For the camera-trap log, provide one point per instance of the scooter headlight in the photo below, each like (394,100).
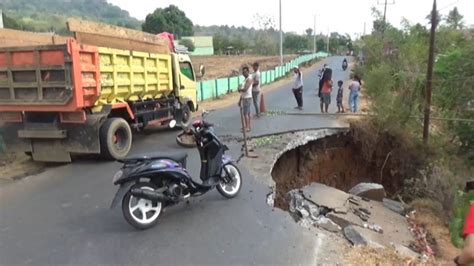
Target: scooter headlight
(117,176)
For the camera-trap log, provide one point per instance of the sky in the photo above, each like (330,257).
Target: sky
(343,16)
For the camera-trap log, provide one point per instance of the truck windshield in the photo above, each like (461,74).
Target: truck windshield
(187,70)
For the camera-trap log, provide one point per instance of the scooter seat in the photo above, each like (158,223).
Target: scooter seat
(177,157)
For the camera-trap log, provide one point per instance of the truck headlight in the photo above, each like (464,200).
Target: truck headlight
(117,176)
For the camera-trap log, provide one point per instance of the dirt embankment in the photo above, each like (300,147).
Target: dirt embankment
(218,66)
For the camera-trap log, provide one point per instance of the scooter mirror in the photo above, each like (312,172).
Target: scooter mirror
(172,123)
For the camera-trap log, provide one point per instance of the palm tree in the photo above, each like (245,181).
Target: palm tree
(454,19)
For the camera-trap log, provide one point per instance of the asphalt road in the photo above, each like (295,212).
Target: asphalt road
(62,216)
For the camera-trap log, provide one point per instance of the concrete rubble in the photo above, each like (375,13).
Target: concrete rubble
(360,221)
(395,206)
(370,191)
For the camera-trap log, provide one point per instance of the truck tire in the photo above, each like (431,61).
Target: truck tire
(115,139)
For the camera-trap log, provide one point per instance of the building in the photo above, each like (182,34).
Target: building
(1,19)
(203,45)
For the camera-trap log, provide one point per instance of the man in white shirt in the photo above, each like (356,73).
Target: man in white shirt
(256,87)
(246,98)
(298,88)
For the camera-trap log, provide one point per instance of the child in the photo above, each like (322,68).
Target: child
(340,107)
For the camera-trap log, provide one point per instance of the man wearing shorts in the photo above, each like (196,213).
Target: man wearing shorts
(246,98)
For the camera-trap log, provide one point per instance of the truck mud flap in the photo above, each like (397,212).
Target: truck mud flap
(75,139)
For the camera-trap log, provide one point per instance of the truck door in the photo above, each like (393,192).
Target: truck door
(187,81)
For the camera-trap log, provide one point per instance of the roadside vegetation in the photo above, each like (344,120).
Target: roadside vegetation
(394,70)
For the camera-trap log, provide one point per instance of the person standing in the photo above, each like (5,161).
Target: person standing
(320,76)
(298,88)
(467,254)
(340,96)
(256,88)
(246,98)
(354,88)
(326,89)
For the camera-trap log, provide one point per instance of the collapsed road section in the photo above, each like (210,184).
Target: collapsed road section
(338,181)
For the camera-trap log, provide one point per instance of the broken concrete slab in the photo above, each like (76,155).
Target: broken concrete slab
(325,196)
(303,212)
(371,191)
(328,225)
(344,220)
(395,206)
(353,235)
(295,200)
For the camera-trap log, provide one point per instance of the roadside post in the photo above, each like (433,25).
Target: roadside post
(246,149)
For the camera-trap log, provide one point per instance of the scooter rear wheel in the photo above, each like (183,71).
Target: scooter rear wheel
(141,213)
(231,181)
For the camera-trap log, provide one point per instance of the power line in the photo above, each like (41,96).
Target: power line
(281,39)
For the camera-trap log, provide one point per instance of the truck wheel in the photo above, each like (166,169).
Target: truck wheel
(186,116)
(115,139)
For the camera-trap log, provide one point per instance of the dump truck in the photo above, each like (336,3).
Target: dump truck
(61,96)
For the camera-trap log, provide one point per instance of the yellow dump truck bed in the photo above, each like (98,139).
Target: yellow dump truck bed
(130,75)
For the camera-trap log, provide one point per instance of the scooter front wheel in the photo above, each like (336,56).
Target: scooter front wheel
(141,213)
(185,140)
(231,181)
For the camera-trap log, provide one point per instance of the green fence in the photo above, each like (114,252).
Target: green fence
(211,89)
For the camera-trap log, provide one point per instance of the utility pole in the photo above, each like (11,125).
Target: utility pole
(1,19)
(429,77)
(281,40)
(327,42)
(314,33)
(385,14)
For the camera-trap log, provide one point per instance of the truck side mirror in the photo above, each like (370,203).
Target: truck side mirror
(202,70)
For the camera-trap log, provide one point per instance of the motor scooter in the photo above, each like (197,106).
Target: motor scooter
(152,181)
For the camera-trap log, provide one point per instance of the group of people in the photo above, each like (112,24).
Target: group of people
(325,90)
(250,92)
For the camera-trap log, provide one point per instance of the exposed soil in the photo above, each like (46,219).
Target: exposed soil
(427,215)
(342,161)
(219,66)
(18,165)
(370,256)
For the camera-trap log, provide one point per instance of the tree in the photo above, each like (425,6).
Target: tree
(239,44)
(454,19)
(309,32)
(378,25)
(295,43)
(220,42)
(10,23)
(266,40)
(170,19)
(188,43)
(321,43)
